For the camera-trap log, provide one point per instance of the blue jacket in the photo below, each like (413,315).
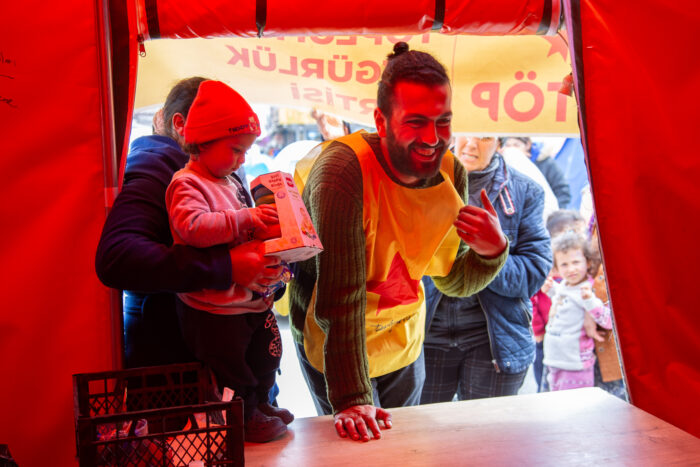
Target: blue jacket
(519,202)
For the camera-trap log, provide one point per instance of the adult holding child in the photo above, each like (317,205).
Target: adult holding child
(385,205)
(136,251)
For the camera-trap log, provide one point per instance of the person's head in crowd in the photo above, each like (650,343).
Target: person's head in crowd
(414,114)
(573,258)
(565,220)
(519,142)
(476,153)
(278,140)
(219,130)
(170,120)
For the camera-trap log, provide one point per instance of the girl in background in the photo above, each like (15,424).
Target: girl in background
(568,350)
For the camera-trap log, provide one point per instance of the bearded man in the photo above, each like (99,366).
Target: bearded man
(389,209)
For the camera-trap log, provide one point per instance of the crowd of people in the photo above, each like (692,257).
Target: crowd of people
(444,275)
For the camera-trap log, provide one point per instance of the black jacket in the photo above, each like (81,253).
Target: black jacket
(556,179)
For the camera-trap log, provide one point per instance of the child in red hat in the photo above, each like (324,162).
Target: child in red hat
(233,331)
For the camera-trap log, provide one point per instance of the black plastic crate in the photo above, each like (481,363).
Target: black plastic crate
(113,408)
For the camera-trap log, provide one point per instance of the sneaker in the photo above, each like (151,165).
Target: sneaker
(271,411)
(260,428)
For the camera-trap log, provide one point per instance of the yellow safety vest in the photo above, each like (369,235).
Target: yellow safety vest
(408,234)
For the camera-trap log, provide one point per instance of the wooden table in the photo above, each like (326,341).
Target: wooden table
(577,427)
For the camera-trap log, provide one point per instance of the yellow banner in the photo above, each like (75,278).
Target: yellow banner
(501,85)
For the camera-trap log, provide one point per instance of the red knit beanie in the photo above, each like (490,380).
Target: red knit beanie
(218,111)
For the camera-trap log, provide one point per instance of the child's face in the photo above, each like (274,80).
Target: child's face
(571,265)
(226,155)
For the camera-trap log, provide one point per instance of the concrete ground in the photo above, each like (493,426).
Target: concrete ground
(294,394)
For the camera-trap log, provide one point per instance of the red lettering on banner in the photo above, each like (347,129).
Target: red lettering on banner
(350,40)
(340,68)
(560,113)
(332,72)
(487,96)
(322,39)
(374,37)
(519,88)
(313,95)
(292,67)
(364,76)
(367,106)
(241,56)
(395,39)
(312,66)
(295,91)
(491,101)
(346,100)
(271,61)
(316,96)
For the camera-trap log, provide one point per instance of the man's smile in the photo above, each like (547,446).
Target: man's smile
(426,152)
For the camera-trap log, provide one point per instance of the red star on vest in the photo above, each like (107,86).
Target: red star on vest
(397,289)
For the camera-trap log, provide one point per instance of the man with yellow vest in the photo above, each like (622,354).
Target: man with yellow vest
(389,209)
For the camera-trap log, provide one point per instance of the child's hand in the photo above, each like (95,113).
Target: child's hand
(591,328)
(266,222)
(586,291)
(548,284)
(267,232)
(264,215)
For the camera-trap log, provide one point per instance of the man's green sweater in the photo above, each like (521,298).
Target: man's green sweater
(333,195)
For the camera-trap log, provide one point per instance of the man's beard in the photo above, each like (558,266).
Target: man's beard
(401,159)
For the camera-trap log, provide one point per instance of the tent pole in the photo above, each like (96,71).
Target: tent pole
(109,159)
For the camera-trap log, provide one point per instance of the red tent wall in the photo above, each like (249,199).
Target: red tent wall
(248,18)
(637,80)
(638,86)
(54,319)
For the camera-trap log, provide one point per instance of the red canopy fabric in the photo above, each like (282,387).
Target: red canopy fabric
(636,82)
(185,18)
(55,314)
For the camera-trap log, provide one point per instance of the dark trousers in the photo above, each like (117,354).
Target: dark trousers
(243,351)
(151,331)
(400,388)
(470,374)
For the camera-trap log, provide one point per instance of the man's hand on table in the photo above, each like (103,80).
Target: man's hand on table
(354,421)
